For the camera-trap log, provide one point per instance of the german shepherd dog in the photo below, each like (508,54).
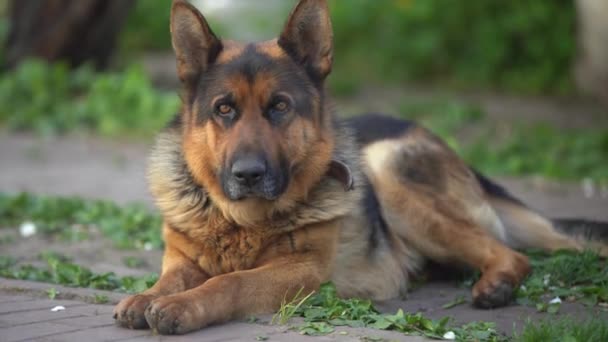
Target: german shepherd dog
(266,194)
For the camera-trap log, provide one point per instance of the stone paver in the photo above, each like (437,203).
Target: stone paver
(108,333)
(100,320)
(29,305)
(12,298)
(34,330)
(27,316)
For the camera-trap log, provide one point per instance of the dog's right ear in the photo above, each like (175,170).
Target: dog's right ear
(195,45)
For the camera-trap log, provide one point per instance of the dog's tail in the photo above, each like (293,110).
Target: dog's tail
(526,228)
(592,234)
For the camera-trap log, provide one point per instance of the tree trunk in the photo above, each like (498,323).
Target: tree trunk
(592,64)
(74,31)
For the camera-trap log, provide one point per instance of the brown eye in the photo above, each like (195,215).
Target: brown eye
(281,106)
(225,109)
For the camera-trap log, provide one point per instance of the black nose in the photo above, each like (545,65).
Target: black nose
(249,171)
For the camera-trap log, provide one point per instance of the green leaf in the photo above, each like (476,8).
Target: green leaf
(316,328)
(52,293)
(553,308)
(457,301)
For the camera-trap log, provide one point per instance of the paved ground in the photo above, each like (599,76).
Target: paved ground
(25,315)
(115,170)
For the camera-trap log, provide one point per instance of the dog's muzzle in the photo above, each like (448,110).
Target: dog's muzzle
(251,176)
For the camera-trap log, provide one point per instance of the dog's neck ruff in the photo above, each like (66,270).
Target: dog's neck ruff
(186,205)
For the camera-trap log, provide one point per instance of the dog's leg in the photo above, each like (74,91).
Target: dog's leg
(179,274)
(432,201)
(280,276)
(453,240)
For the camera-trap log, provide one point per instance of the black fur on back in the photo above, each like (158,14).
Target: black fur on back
(373,127)
(494,189)
(368,129)
(379,231)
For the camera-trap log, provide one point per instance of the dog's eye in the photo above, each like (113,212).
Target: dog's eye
(281,107)
(225,110)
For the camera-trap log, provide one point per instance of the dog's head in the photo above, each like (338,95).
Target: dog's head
(256,131)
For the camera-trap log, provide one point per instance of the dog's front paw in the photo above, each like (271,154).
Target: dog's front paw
(174,315)
(130,311)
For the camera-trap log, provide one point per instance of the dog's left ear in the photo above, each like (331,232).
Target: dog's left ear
(308,37)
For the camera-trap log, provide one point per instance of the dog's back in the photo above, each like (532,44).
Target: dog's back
(421,202)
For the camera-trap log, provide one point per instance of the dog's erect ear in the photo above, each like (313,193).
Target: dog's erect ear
(195,45)
(308,37)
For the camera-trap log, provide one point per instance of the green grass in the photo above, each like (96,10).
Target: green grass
(60,270)
(324,311)
(445,118)
(74,219)
(289,309)
(134,262)
(103,299)
(52,292)
(543,150)
(51,99)
(564,330)
(569,275)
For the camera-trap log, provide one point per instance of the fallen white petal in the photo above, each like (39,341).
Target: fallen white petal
(27,229)
(555,300)
(449,335)
(58,308)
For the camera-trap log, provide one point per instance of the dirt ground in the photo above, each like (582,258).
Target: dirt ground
(95,168)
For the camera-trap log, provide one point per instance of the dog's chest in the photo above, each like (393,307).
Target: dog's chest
(226,248)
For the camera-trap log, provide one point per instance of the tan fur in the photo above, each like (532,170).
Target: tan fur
(272,49)
(427,214)
(528,229)
(230,51)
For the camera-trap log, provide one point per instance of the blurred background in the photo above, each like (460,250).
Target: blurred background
(519,88)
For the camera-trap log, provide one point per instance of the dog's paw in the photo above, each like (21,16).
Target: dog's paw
(130,312)
(173,315)
(488,294)
(496,287)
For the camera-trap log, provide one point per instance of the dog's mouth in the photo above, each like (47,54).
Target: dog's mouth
(239,195)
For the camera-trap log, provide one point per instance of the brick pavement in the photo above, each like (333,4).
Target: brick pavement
(25,315)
